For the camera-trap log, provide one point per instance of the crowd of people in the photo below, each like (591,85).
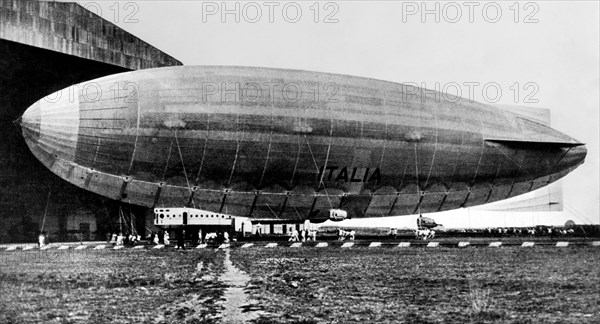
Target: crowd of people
(346,235)
(302,235)
(424,234)
(532,231)
(214,237)
(127,239)
(164,237)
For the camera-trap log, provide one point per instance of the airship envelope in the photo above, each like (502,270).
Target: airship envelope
(289,145)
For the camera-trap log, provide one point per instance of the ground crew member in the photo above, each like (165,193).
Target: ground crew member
(226,237)
(180,240)
(41,240)
(120,239)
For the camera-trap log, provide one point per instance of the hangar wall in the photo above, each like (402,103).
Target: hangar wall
(45,47)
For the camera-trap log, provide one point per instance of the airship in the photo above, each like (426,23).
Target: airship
(289,145)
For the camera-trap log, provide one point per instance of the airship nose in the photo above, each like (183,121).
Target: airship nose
(574,157)
(30,124)
(51,126)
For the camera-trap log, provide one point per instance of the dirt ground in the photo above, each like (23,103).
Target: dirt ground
(514,285)
(304,285)
(123,286)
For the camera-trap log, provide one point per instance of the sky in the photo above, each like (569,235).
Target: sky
(535,54)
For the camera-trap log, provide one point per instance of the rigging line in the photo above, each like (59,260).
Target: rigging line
(314,160)
(417,170)
(579,214)
(272,211)
(297,213)
(513,161)
(384,144)
(137,135)
(266,163)
(480,154)
(579,217)
(131,218)
(327,160)
(268,152)
(148,229)
(561,158)
(125,221)
(182,163)
(458,156)
(387,117)
(434,151)
(297,160)
(120,221)
(203,151)
(237,148)
(205,145)
(168,159)
(112,226)
(121,218)
(317,167)
(96,153)
(46,210)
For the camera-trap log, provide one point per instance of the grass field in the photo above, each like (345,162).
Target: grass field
(541,285)
(109,287)
(305,285)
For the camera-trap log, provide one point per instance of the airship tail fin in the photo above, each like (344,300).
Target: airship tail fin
(549,198)
(525,143)
(538,115)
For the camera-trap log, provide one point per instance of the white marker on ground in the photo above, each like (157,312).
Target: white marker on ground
(348,244)
(404,244)
(433,244)
(375,244)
